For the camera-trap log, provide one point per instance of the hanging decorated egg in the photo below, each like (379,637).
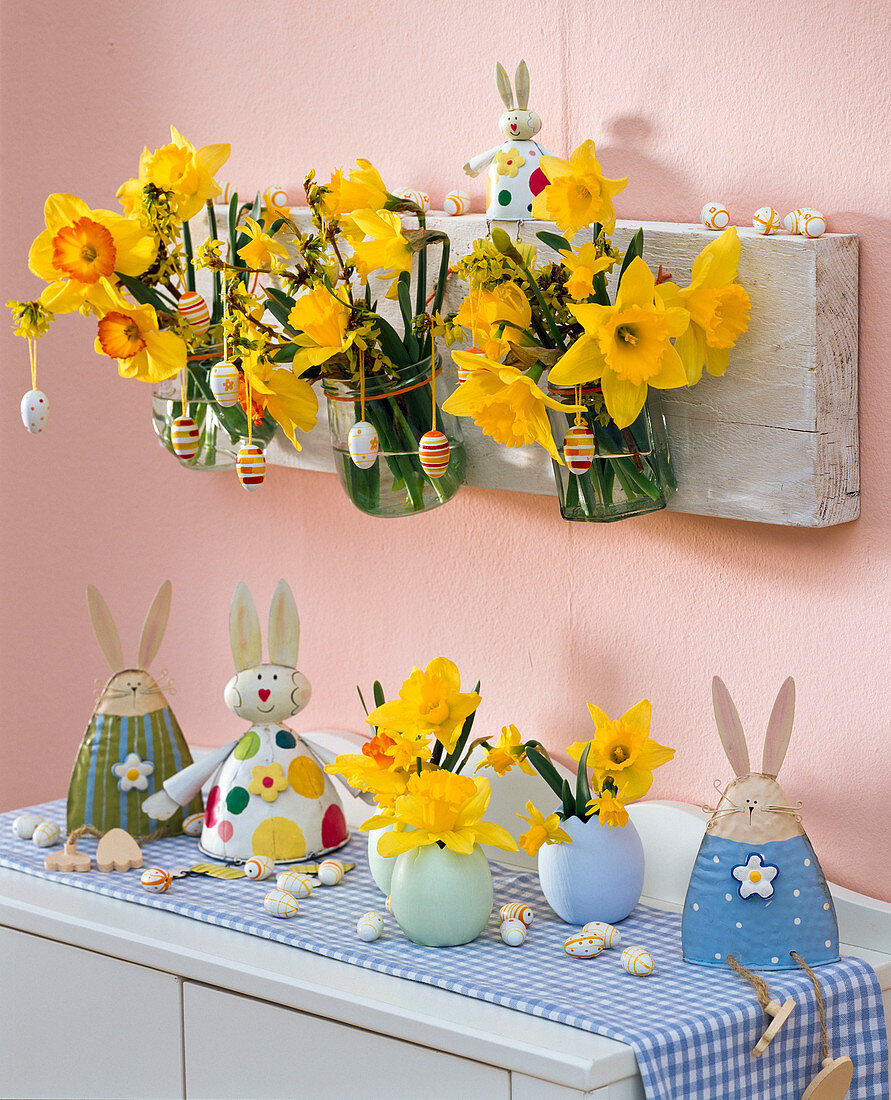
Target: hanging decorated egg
(184,437)
(35,410)
(156,880)
(637,961)
(812,223)
(250,465)
(193,824)
(456,202)
(297,883)
(24,825)
(279,903)
(607,932)
(258,867)
(419,198)
(369,926)
(193,308)
(363,444)
(330,872)
(278,196)
(46,834)
(766,220)
(434,452)
(792,220)
(224,382)
(513,933)
(583,945)
(516,910)
(579,448)
(715,215)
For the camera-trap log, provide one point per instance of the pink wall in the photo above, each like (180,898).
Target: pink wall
(694,101)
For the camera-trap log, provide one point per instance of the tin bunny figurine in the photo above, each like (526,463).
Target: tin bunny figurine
(515,177)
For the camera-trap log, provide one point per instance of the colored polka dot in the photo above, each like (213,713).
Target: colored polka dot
(306,777)
(538,181)
(225,830)
(798,920)
(807,863)
(775,959)
(285,739)
(267,781)
(529,207)
(531,153)
(826,905)
(334,827)
(696,906)
(212,809)
(236,800)
(829,943)
(248,746)
(796,893)
(739,924)
(716,859)
(717,954)
(278,838)
(504,198)
(728,897)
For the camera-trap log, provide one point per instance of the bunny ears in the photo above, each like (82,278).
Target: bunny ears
(779,729)
(244,628)
(521,80)
(152,629)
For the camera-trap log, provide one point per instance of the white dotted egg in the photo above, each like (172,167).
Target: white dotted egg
(812,223)
(24,825)
(35,410)
(369,926)
(46,834)
(715,215)
(516,910)
(258,867)
(193,824)
(638,961)
(224,383)
(583,945)
(156,880)
(411,194)
(363,444)
(456,202)
(330,872)
(513,932)
(279,903)
(297,883)
(766,220)
(609,934)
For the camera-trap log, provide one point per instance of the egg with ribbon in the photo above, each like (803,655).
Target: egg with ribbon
(434,453)
(579,448)
(184,437)
(363,444)
(225,379)
(250,465)
(35,410)
(193,309)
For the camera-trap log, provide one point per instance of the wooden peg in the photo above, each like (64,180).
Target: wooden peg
(781,1014)
(832,1082)
(68,860)
(118,851)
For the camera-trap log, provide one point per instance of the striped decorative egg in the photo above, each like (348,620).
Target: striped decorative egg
(637,961)
(156,880)
(411,194)
(516,910)
(579,448)
(193,824)
(766,220)
(715,215)
(812,223)
(279,903)
(363,444)
(193,308)
(465,372)
(330,872)
(297,883)
(46,834)
(24,825)
(513,932)
(369,926)
(607,932)
(184,437)
(456,202)
(434,452)
(792,220)
(389,905)
(258,867)
(583,945)
(250,465)
(224,381)
(227,190)
(278,196)
(35,410)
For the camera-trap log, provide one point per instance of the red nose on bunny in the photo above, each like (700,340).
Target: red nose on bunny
(264,694)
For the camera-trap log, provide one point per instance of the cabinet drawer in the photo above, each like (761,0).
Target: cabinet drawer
(238,1047)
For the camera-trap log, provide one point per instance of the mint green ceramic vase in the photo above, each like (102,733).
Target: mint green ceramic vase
(439,897)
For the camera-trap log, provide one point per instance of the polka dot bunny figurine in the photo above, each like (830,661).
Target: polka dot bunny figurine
(515,177)
(269,795)
(757,890)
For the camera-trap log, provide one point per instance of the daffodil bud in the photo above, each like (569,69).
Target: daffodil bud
(501,240)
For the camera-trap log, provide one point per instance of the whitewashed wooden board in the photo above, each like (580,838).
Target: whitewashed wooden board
(774,441)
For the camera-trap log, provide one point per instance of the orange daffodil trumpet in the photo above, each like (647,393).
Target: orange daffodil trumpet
(131,335)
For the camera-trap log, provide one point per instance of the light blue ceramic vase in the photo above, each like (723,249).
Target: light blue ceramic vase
(597,877)
(441,898)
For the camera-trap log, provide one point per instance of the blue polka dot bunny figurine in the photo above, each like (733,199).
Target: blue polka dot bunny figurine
(515,175)
(757,890)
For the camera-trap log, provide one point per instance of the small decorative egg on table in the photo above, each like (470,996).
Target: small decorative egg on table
(607,932)
(46,834)
(24,825)
(193,824)
(584,945)
(258,867)
(637,961)
(715,215)
(513,932)
(813,223)
(456,202)
(156,880)
(369,926)
(516,910)
(279,903)
(330,872)
(766,220)
(297,883)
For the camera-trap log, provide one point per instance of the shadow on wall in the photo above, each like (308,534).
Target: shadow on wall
(621,152)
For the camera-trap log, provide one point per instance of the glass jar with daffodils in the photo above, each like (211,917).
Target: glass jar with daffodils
(609,333)
(424,843)
(590,857)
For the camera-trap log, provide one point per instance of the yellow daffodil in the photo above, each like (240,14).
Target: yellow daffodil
(609,809)
(30,319)
(578,193)
(623,751)
(408,748)
(130,335)
(322,323)
(430,703)
(291,401)
(81,247)
(542,830)
(180,169)
(262,252)
(627,346)
(372,770)
(583,266)
(385,249)
(495,318)
(441,807)
(271,212)
(360,189)
(506,752)
(718,306)
(507,405)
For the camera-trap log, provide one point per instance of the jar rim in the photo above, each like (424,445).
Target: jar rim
(377,386)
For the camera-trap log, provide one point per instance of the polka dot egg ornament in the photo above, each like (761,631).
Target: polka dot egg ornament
(193,824)
(812,223)
(583,945)
(434,452)
(715,215)
(766,220)
(295,882)
(363,444)
(258,867)
(193,309)
(330,872)
(225,379)
(184,437)
(513,933)
(156,880)
(607,932)
(638,961)
(24,825)
(35,410)
(250,465)
(46,834)
(579,448)
(456,202)
(369,926)
(411,194)
(516,910)
(279,903)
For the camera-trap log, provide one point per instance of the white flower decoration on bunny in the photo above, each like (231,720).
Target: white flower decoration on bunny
(269,795)
(757,891)
(515,175)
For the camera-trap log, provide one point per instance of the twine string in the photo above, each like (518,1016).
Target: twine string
(762,990)
(91,830)
(820,1007)
(184,391)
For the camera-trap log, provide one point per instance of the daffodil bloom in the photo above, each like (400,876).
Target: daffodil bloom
(718,307)
(262,252)
(507,405)
(623,751)
(408,748)
(430,703)
(130,335)
(361,189)
(583,266)
(180,169)
(385,248)
(578,193)
(506,752)
(291,401)
(81,247)
(609,809)
(495,318)
(542,830)
(322,324)
(627,346)
(441,807)
(372,770)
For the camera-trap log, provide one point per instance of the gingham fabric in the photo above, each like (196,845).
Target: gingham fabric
(692,1028)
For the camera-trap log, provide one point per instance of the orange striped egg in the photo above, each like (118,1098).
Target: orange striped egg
(513,932)
(279,903)
(434,452)
(715,215)
(369,926)
(330,872)
(193,308)
(579,448)
(156,880)
(35,410)
(258,867)
(278,196)
(607,932)
(224,381)
(583,945)
(297,883)
(250,465)
(456,202)
(812,223)
(193,824)
(420,198)
(227,190)
(766,220)
(184,437)
(516,910)
(46,834)
(389,905)
(363,444)
(637,961)
(792,220)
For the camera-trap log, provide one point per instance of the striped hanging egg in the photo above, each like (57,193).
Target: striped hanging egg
(279,903)
(278,196)
(258,867)
(583,945)
(35,410)
(465,372)
(250,465)
(516,910)
(156,880)
(579,448)
(184,437)
(369,926)
(766,220)
(456,202)
(224,382)
(513,933)
(363,444)
(637,961)
(792,220)
(193,824)
(297,883)
(434,452)
(46,834)
(411,194)
(715,215)
(193,308)
(610,935)
(812,223)
(330,872)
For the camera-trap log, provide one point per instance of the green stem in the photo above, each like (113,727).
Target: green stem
(421,289)
(546,313)
(190,262)
(217,311)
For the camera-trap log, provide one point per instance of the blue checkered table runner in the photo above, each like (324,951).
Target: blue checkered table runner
(692,1028)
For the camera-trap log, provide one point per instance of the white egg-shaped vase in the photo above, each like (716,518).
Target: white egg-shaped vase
(381,867)
(597,877)
(441,898)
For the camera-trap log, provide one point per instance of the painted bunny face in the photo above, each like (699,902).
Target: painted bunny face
(753,809)
(267,693)
(518,124)
(131,694)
